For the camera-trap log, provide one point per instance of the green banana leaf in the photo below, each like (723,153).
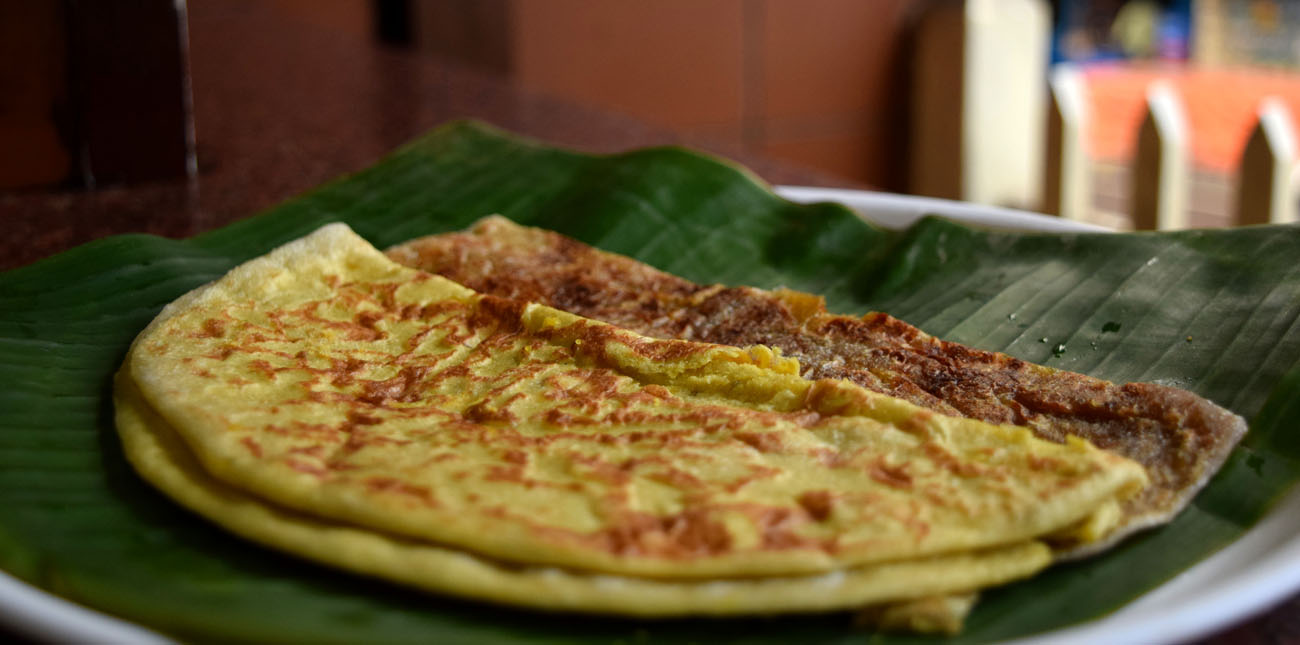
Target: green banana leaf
(1215,312)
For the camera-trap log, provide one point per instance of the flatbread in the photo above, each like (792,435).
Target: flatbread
(1181,439)
(326,380)
(160,456)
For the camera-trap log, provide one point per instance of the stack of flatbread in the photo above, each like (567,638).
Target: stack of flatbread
(495,442)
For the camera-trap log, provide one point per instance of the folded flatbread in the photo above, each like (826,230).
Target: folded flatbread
(1179,437)
(166,462)
(327,401)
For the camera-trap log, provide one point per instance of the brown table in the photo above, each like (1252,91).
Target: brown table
(281,106)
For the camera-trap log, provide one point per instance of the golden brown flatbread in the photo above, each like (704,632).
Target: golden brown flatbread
(324,391)
(1179,437)
(166,462)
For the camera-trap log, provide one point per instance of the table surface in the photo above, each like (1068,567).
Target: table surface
(281,106)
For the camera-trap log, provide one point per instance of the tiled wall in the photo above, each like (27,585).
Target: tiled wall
(353,17)
(678,63)
(818,82)
(833,86)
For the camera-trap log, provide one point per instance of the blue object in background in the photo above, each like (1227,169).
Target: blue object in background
(1108,30)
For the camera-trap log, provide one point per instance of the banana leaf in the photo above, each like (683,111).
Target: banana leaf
(1215,312)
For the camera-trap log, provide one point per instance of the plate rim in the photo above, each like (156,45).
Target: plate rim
(895,211)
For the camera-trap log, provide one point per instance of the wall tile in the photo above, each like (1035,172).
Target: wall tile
(670,62)
(833,82)
(849,156)
(352,17)
(830,56)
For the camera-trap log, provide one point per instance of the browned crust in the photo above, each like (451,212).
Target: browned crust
(1179,437)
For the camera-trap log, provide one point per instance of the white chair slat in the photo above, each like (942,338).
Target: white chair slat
(1066,183)
(1160,173)
(1265,192)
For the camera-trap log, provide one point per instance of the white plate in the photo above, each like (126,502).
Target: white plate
(1253,573)
(900,211)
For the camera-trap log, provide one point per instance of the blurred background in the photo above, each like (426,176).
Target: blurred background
(1022,103)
